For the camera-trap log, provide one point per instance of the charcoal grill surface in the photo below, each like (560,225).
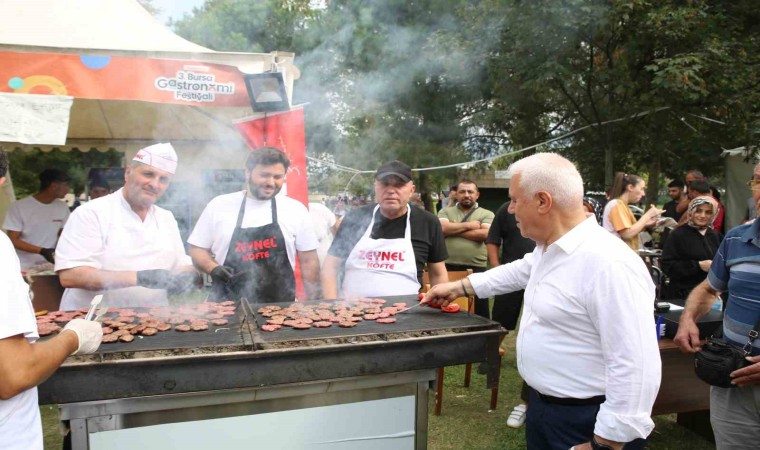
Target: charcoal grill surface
(419,321)
(230,335)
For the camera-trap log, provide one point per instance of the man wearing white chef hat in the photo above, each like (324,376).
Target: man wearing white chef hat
(123,245)
(25,362)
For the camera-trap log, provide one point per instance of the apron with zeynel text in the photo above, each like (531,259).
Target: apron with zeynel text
(381,267)
(259,257)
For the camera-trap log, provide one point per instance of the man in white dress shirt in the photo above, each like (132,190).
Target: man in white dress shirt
(586,343)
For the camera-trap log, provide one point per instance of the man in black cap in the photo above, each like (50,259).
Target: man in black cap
(383,248)
(34,223)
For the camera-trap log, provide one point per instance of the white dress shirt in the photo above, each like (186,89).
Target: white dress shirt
(587,325)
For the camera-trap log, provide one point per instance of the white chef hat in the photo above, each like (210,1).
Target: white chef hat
(161,156)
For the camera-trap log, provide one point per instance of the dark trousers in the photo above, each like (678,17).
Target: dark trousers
(506,309)
(481,304)
(549,426)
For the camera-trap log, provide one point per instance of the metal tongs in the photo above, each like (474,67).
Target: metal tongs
(411,307)
(94,304)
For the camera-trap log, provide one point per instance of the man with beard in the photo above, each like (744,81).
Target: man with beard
(248,241)
(465,226)
(676,193)
(383,248)
(123,245)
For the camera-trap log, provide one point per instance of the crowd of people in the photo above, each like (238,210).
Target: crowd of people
(586,346)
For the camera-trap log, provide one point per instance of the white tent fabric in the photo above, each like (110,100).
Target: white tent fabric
(121,27)
(88,24)
(124,28)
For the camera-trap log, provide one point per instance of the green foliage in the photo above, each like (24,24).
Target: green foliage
(580,63)
(150,7)
(436,82)
(243,26)
(26,166)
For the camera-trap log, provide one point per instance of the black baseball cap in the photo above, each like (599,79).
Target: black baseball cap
(394,168)
(99,182)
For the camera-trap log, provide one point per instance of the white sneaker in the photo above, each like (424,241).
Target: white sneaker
(516,418)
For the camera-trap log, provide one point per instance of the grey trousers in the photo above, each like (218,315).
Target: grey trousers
(735,417)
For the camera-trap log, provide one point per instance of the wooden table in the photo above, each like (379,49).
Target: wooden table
(681,392)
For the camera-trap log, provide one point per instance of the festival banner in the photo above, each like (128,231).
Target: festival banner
(123,78)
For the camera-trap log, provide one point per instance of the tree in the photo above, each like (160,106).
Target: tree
(656,86)
(150,7)
(559,66)
(384,81)
(229,25)
(25,167)
(399,81)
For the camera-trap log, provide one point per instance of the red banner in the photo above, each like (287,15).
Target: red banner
(284,131)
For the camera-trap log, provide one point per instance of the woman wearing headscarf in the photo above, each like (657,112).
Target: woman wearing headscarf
(690,248)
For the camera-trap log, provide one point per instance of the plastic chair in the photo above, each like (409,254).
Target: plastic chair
(467,304)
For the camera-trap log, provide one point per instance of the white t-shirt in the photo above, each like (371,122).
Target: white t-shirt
(217,222)
(323,220)
(20,426)
(39,224)
(106,234)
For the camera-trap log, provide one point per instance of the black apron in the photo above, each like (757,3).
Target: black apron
(259,256)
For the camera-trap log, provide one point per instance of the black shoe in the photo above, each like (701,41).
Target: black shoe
(483,368)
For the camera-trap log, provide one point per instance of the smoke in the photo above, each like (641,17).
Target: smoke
(373,72)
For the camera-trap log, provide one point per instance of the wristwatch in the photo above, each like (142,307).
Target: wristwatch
(597,446)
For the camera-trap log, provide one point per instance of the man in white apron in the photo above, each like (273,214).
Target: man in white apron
(383,248)
(123,245)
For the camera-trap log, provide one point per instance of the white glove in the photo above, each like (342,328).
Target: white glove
(89,334)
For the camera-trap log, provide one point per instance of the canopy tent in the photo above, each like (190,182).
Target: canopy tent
(133,80)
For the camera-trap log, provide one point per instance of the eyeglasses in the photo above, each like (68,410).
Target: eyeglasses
(754,184)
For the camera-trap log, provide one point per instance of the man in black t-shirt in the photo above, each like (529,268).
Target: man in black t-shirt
(514,246)
(382,249)
(676,193)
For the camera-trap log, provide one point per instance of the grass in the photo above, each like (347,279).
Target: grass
(466,423)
